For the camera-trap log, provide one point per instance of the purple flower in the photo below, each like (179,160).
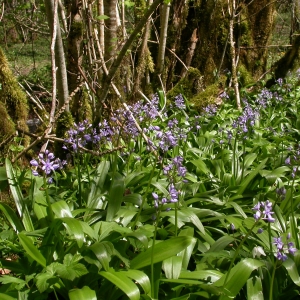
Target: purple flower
(283,248)
(179,102)
(47,163)
(263,210)
(260,230)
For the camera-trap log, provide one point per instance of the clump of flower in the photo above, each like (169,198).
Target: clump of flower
(46,163)
(284,248)
(179,102)
(167,138)
(247,120)
(211,109)
(175,168)
(263,210)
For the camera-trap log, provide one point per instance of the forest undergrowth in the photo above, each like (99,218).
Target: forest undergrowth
(161,202)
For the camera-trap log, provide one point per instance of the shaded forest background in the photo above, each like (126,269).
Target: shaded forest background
(65,61)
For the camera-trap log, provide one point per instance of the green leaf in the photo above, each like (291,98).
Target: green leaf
(82,294)
(207,275)
(193,219)
(200,165)
(120,280)
(161,251)
(238,277)
(6,297)
(103,252)
(18,197)
(140,277)
(18,283)
(11,217)
(115,197)
(254,289)
(292,270)
(61,209)
(187,253)
(221,243)
(31,250)
(172,267)
(74,228)
(96,186)
(102,17)
(162,99)
(71,268)
(250,177)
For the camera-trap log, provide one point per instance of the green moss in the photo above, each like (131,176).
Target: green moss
(14,108)
(76,30)
(7,126)
(63,124)
(189,85)
(209,95)
(245,76)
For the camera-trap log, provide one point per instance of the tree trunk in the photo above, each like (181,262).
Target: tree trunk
(110,10)
(75,39)
(62,82)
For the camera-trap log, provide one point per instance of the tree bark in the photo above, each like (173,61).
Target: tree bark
(62,81)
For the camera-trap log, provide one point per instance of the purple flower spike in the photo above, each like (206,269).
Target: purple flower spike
(263,210)
(283,248)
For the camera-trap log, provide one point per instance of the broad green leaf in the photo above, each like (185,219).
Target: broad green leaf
(82,294)
(162,99)
(71,268)
(61,209)
(249,159)
(210,275)
(18,197)
(186,253)
(6,297)
(172,267)
(201,166)
(11,217)
(273,175)
(18,283)
(103,251)
(221,243)
(292,270)
(31,249)
(193,219)
(74,228)
(134,199)
(45,280)
(115,197)
(251,176)
(238,277)
(123,283)
(254,289)
(140,277)
(97,184)
(161,251)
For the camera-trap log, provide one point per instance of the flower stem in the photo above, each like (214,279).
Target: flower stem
(50,212)
(272,281)
(237,252)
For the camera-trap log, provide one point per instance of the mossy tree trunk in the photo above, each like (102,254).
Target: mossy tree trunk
(13,102)
(260,21)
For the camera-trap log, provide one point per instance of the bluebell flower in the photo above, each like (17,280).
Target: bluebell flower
(179,102)
(283,248)
(263,210)
(47,164)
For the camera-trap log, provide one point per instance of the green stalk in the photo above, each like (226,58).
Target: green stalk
(294,227)
(234,162)
(145,195)
(152,254)
(243,160)
(237,252)
(50,212)
(272,281)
